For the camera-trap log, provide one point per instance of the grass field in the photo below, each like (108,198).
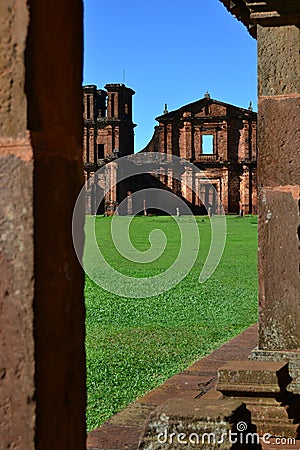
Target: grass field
(133,345)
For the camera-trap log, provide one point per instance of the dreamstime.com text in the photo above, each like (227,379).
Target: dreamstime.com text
(239,437)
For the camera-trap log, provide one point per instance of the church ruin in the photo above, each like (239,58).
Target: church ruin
(218,138)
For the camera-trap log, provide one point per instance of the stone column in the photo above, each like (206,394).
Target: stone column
(186,184)
(113,181)
(245,190)
(129,203)
(162,175)
(169,139)
(42,365)
(279,180)
(187,137)
(197,142)
(188,140)
(170,179)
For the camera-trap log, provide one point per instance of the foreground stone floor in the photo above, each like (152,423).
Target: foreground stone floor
(124,430)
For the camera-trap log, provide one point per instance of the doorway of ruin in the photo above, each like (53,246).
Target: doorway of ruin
(42,314)
(206,190)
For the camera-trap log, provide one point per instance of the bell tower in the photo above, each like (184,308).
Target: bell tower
(119,117)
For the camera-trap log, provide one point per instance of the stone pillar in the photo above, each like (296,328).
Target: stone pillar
(275,408)
(42,365)
(107,185)
(162,175)
(113,181)
(279,188)
(169,139)
(245,190)
(170,179)
(162,137)
(116,139)
(224,189)
(197,142)
(187,138)
(187,184)
(254,189)
(129,203)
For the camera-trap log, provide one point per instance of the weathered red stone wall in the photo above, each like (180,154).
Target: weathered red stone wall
(279,187)
(42,365)
(17,405)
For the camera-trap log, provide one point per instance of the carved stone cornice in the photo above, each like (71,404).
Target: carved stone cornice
(264,12)
(274,12)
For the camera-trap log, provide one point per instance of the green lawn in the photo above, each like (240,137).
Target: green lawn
(133,345)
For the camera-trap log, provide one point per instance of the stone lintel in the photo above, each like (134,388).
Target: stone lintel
(274,12)
(272,19)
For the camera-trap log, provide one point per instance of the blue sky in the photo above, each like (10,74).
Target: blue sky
(172,52)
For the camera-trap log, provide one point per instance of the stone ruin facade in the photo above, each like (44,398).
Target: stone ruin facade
(218,138)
